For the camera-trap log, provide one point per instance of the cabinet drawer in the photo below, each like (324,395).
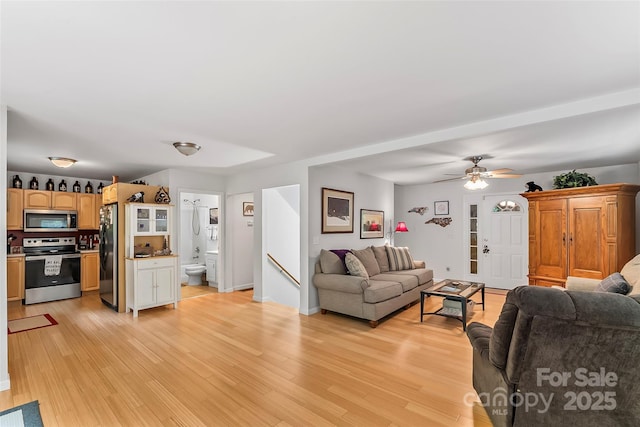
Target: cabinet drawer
(155,262)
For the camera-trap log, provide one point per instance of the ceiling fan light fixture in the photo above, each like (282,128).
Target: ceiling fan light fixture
(476,183)
(62,162)
(187,148)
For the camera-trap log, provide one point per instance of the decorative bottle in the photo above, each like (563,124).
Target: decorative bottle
(62,186)
(100,187)
(88,188)
(17,182)
(33,185)
(49,185)
(76,187)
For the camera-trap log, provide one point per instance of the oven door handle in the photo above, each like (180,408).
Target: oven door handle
(64,256)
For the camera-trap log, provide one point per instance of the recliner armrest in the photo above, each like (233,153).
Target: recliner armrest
(479,335)
(581,283)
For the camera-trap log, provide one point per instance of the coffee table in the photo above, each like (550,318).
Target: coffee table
(452,290)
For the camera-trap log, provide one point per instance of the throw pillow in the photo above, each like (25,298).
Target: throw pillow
(399,258)
(368,259)
(614,283)
(381,256)
(355,266)
(341,254)
(331,263)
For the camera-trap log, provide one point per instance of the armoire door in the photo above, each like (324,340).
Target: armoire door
(587,237)
(551,238)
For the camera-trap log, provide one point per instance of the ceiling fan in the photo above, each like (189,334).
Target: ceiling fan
(476,174)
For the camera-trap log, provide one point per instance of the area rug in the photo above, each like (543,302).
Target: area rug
(27,415)
(28,323)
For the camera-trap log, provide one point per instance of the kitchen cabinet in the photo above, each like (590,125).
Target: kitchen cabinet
(15,278)
(88,211)
(14,208)
(90,271)
(583,232)
(149,219)
(41,199)
(151,282)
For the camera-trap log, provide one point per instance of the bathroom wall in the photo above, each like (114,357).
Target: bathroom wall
(207,234)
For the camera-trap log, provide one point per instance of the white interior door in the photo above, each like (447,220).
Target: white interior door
(503,249)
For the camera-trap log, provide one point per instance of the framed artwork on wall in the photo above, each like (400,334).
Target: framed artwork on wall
(371,224)
(213,215)
(441,207)
(337,211)
(247,208)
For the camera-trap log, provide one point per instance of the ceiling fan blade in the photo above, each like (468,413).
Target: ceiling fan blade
(506,175)
(504,170)
(451,179)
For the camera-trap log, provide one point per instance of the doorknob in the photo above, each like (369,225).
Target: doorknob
(485,249)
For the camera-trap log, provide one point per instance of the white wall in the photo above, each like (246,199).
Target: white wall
(241,242)
(281,239)
(442,247)
(4,350)
(255,181)
(369,193)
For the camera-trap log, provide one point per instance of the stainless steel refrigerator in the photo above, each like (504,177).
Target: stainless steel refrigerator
(109,255)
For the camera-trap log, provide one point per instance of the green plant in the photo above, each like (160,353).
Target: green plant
(573,179)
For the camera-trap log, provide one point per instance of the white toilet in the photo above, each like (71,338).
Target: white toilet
(194,274)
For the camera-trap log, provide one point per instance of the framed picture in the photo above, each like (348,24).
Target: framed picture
(247,208)
(441,208)
(213,215)
(337,211)
(371,224)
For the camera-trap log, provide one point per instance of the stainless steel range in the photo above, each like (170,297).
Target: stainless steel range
(52,269)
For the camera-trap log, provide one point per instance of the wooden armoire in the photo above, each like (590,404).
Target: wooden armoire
(583,232)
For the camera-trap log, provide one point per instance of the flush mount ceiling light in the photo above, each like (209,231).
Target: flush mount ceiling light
(62,162)
(186,148)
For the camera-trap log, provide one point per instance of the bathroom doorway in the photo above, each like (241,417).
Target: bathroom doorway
(200,244)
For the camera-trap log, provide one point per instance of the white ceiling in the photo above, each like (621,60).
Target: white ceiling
(539,86)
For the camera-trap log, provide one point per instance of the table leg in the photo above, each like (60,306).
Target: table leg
(482,290)
(464,313)
(421,306)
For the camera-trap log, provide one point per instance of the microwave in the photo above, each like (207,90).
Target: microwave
(50,220)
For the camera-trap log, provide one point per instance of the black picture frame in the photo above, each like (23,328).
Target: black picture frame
(441,207)
(371,224)
(337,211)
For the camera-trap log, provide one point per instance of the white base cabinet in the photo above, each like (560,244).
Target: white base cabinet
(151,282)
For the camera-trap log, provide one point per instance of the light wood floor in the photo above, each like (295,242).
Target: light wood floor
(187,291)
(222,359)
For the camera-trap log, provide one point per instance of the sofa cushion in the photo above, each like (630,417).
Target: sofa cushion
(631,273)
(381,256)
(368,259)
(331,263)
(423,274)
(407,281)
(613,283)
(380,290)
(355,267)
(399,258)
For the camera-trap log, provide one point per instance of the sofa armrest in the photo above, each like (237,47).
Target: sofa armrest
(581,283)
(340,282)
(479,336)
(419,264)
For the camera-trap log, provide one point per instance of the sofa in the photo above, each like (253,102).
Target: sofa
(630,273)
(559,357)
(369,283)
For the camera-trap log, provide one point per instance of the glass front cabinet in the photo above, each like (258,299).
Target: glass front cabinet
(150,220)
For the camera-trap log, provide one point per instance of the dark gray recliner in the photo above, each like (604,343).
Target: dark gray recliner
(560,358)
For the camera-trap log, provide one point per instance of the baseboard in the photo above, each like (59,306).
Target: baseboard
(243,287)
(5,384)
(312,310)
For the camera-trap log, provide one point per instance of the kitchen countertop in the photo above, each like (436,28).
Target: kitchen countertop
(88,251)
(14,255)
